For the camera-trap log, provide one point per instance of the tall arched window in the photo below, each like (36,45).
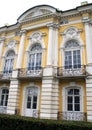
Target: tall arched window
(9,61)
(35,57)
(72,55)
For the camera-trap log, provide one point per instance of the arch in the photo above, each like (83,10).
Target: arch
(71,33)
(36,37)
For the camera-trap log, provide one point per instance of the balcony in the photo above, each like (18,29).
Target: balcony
(73,116)
(28,74)
(63,72)
(5,76)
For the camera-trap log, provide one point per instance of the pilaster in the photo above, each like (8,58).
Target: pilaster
(21,49)
(14,95)
(1,45)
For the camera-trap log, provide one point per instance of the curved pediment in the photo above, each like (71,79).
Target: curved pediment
(36,12)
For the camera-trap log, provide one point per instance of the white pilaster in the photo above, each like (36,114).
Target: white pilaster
(1,45)
(49,99)
(88,69)
(13,100)
(21,49)
(50,45)
(56,48)
(88,43)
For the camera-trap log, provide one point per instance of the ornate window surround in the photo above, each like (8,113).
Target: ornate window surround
(71,33)
(4,58)
(74,86)
(36,37)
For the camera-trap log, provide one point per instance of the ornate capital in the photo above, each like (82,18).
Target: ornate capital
(23,32)
(53,25)
(2,39)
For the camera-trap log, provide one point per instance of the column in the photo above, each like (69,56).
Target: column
(56,47)
(1,45)
(13,99)
(50,85)
(89,71)
(50,45)
(21,49)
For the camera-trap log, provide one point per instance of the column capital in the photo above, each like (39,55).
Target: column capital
(23,32)
(53,25)
(86,20)
(2,39)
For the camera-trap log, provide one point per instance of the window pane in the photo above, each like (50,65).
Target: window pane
(70,99)
(77,99)
(70,107)
(76,91)
(77,107)
(70,91)
(28,104)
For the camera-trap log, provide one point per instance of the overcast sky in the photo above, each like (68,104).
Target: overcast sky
(10,10)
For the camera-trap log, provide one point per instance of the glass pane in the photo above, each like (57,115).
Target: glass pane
(77,99)
(77,107)
(70,91)
(70,107)
(28,104)
(70,99)
(29,98)
(34,105)
(76,91)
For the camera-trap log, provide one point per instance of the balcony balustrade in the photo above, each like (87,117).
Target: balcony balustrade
(71,72)
(25,73)
(73,116)
(5,75)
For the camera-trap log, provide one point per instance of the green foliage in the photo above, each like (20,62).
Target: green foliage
(12,122)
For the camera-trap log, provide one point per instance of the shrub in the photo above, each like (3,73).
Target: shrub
(12,122)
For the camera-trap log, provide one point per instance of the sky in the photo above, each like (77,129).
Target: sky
(10,10)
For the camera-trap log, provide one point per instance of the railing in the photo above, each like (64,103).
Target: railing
(3,109)
(29,73)
(71,72)
(4,75)
(75,116)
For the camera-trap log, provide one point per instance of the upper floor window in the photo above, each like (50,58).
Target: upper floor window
(9,61)
(72,55)
(35,57)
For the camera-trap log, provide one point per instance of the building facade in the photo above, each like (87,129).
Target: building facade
(46,64)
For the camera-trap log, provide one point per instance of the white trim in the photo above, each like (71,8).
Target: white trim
(72,85)
(24,97)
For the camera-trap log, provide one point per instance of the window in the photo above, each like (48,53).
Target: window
(32,94)
(9,61)
(72,55)
(4,97)
(73,99)
(35,57)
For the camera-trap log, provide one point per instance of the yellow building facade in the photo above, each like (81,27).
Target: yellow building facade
(46,64)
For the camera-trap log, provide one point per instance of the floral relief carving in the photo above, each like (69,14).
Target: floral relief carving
(71,33)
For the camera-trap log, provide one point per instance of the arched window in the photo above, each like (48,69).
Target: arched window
(35,57)
(9,61)
(4,97)
(72,55)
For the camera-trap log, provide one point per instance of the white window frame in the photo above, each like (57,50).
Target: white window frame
(35,52)
(72,49)
(4,97)
(25,95)
(9,58)
(72,85)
